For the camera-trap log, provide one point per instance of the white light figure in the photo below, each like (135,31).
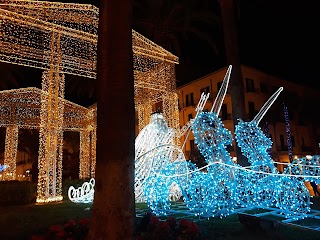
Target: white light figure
(158,162)
(83,194)
(157,158)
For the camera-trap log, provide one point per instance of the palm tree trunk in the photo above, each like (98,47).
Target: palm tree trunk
(236,86)
(113,206)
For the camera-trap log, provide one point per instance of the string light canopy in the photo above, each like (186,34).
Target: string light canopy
(61,38)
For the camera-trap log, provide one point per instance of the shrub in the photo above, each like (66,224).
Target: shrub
(70,230)
(17,193)
(151,227)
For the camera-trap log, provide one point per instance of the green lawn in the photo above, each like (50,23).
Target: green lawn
(20,222)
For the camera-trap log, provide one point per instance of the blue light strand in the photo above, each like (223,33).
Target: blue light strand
(268,135)
(288,131)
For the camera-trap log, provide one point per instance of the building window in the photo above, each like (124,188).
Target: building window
(293,143)
(264,87)
(219,85)
(204,90)
(190,116)
(192,145)
(290,115)
(270,136)
(252,110)
(282,141)
(224,112)
(189,100)
(250,85)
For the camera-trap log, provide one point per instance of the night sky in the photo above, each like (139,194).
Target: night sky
(281,38)
(278,37)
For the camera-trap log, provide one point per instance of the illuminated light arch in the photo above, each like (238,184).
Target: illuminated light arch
(61,38)
(20,109)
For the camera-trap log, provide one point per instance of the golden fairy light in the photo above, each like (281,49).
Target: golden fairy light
(61,38)
(21,108)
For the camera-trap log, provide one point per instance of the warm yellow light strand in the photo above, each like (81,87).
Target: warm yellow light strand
(84,171)
(11,152)
(61,38)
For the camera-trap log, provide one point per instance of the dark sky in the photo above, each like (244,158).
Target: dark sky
(276,36)
(281,38)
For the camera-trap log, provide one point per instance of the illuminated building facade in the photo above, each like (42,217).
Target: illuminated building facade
(259,86)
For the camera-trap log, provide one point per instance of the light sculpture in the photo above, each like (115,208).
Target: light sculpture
(308,168)
(158,164)
(83,194)
(21,109)
(225,186)
(222,186)
(157,158)
(253,142)
(212,193)
(61,38)
(287,192)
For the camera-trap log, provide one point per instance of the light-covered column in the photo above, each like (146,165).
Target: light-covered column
(93,143)
(50,133)
(171,113)
(10,154)
(84,171)
(59,163)
(144,111)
